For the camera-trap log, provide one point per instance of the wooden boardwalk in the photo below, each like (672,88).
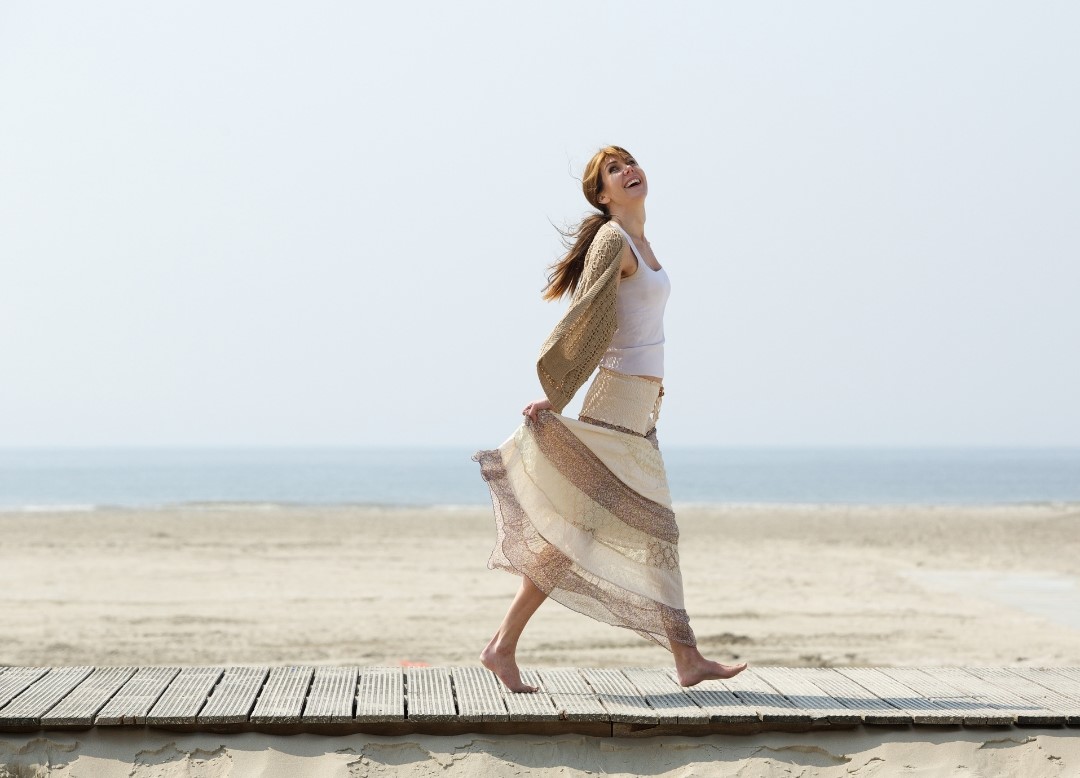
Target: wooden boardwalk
(604,702)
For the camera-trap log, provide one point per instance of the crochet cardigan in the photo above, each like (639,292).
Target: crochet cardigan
(578,342)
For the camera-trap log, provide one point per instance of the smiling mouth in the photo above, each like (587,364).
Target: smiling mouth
(632,183)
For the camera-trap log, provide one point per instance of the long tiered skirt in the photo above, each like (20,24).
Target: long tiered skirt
(582,508)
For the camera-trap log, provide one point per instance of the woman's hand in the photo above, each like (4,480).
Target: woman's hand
(533,408)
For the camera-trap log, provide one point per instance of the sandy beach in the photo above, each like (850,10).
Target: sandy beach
(769,585)
(793,585)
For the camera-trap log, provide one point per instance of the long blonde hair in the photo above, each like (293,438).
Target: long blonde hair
(565,274)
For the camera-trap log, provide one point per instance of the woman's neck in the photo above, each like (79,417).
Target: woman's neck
(631,220)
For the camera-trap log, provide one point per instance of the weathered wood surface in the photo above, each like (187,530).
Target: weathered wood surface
(137,696)
(972,710)
(1026,687)
(233,699)
(771,706)
(571,695)
(282,698)
(46,692)
(1057,679)
(185,697)
(13,680)
(620,698)
(78,708)
(802,692)
(380,696)
(669,701)
(721,704)
(864,703)
(629,701)
(531,707)
(1014,705)
(332,696)
(1072,673)
(919,708)
(430,695)
(479,695)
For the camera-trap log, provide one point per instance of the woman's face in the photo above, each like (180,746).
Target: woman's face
(624,182)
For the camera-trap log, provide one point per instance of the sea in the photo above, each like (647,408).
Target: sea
(87,479)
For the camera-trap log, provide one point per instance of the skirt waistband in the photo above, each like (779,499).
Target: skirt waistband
(626,402)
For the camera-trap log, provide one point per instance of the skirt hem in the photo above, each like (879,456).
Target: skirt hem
(613,522)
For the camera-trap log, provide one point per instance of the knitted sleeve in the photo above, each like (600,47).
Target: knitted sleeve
(578,342)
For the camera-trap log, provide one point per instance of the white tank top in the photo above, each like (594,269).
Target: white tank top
(638,345)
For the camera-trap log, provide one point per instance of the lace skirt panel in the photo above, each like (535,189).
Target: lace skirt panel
(583,509)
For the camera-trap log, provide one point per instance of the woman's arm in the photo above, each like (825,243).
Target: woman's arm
(578,342)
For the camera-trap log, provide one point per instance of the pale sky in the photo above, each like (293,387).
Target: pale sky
(328,223)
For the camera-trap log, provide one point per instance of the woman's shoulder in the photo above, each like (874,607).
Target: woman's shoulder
(608,240)
(609,228)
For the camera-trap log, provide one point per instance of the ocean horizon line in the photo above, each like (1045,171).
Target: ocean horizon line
(270,506)
(85,479)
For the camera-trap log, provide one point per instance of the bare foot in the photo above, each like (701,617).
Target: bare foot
(706,670)
(505,667)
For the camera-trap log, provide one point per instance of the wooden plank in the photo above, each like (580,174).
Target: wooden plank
(86,699)
(479,694)
(1072,673)
(620,698)
(1051,678)
(1056,684)
(332,696)
(572,696)
(135,699)
(185,697)
(871,708)
(430,694)
(720,703)
(233,699)
(530,707)
(282,698)
(1019,709)
(14,680)
(380,695)
(896,694)
(35,700)
(975,712)
(670,701)
(771,706)
(1027,689)
(803,694)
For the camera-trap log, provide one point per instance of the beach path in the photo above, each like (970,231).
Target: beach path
(601,702)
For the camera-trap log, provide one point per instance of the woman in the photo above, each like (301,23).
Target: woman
(582,506)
